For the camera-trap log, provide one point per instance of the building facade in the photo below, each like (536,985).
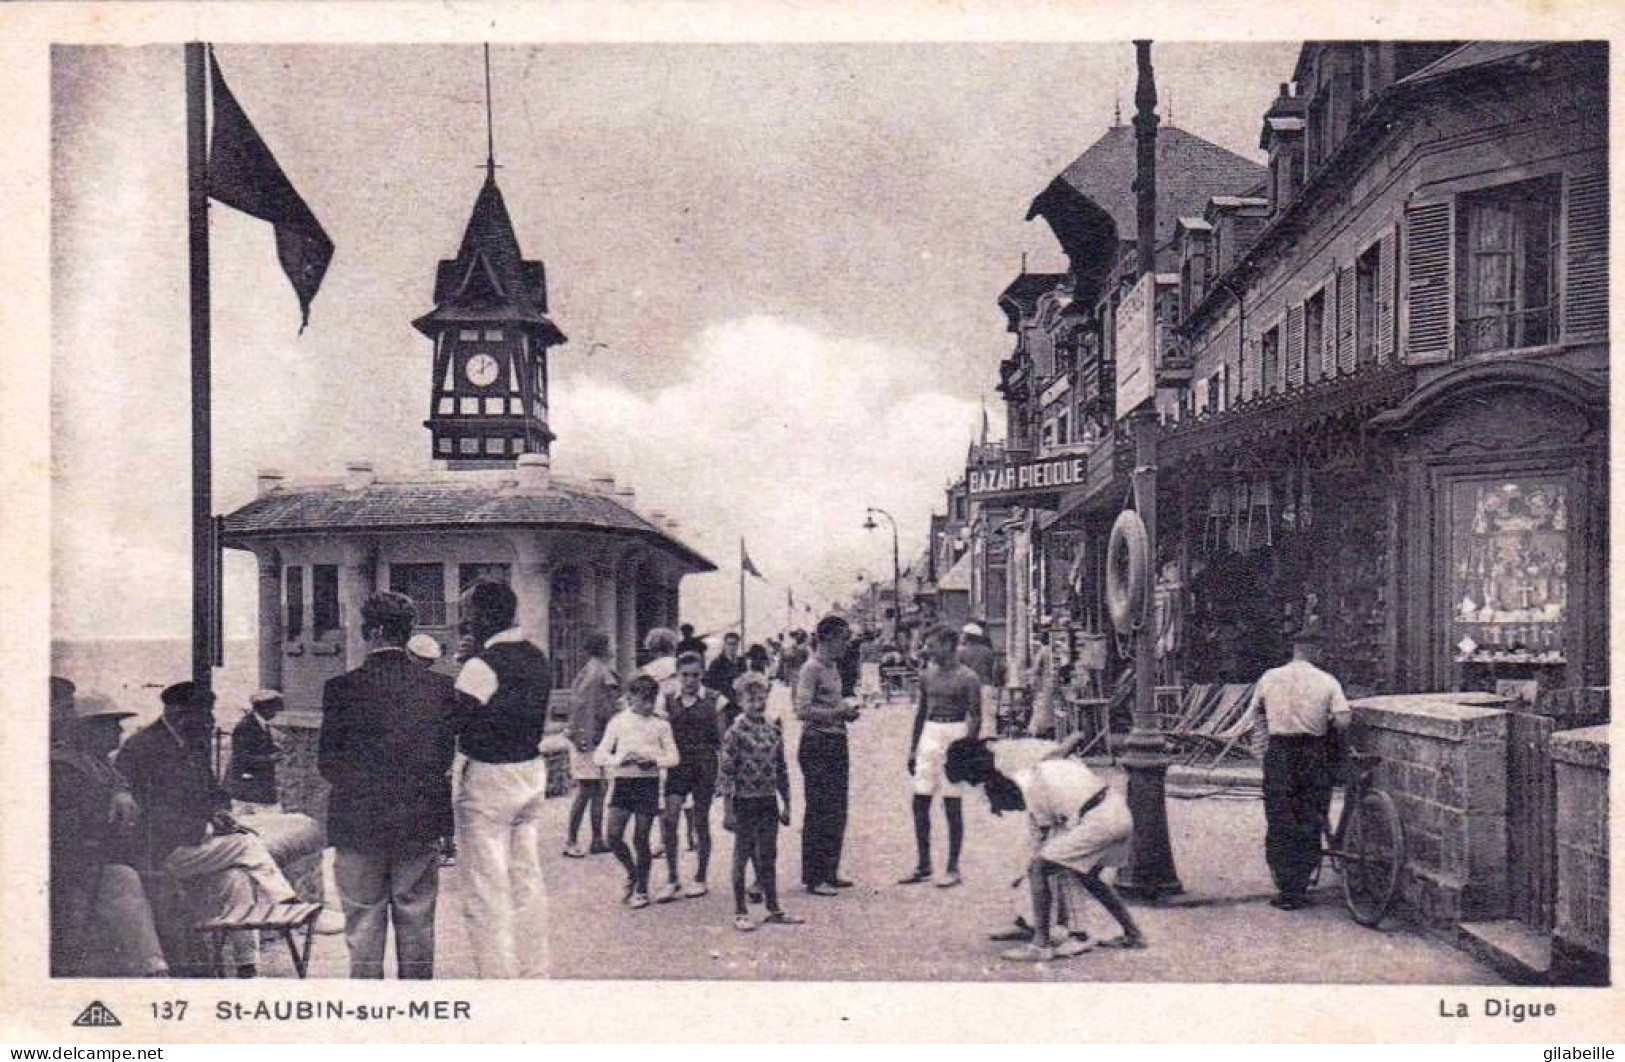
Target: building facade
(1396,428)
(1379,369)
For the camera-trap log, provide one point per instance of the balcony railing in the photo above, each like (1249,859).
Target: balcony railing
(1506,331)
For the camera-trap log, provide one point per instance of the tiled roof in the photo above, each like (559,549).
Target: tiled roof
(1189,171)
(1027,287)
(450,503)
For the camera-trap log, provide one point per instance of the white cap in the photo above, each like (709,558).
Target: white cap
(424,647)
(972,629)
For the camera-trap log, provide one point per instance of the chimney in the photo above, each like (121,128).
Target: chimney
(627,496)
(266,480)
(535,471)
(604,483)
(358,475)
(1145,157)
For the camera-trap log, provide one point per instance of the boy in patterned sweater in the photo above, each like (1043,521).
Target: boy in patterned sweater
(755,788)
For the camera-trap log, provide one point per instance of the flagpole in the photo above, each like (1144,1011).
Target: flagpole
(197,217)
(742,640)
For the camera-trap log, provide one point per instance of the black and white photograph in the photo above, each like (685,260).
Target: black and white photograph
(1127,511)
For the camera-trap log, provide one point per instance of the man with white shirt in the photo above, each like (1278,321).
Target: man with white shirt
(504,687)
(1294,707)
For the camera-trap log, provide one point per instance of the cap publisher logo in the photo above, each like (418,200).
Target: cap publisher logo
(97,1016)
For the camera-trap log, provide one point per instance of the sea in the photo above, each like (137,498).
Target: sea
(132,671)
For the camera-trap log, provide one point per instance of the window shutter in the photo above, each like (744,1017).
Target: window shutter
(1427,289)
(1328,329)
(1251,373)
(1345,320)
(1385,299)
(1294,347)
(1585,298)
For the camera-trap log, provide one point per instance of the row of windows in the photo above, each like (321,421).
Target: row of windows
(465,406)
(324,600)
(475,335)
(1311,360)
(569,618)
(478,446)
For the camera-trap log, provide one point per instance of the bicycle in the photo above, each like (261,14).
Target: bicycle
(1367,846)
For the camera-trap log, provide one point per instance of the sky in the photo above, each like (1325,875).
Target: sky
(778,267)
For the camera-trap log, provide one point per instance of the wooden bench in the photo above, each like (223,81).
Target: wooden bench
(280,918)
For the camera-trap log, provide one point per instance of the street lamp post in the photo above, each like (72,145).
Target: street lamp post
(896,572)
(1151,872)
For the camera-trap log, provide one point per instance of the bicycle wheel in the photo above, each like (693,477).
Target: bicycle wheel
(1373,856)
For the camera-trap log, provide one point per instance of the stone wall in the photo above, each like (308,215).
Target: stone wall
(299,785)
(1445,766)
(1580,940)
(302,788)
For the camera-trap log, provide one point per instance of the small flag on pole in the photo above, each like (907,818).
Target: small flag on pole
(984,422)
(745,566)
(243,174)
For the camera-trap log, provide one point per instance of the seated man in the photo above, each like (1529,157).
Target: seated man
(101,923)
(189,832)
(1079,826)
(251,775)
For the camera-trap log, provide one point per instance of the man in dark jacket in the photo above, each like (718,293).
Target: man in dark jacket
(691,642)
(251,774)
(386,748)
(728,666)
(187,827)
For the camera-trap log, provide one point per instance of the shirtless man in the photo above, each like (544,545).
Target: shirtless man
(950,708)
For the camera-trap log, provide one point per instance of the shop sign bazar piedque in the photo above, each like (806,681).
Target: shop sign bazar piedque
(1038,483)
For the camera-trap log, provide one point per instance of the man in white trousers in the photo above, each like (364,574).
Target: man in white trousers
(503,689)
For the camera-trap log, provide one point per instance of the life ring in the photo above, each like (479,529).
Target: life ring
(1127,571)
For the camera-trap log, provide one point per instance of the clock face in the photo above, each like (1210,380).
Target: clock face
(481,370)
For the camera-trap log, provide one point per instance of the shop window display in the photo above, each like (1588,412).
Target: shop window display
(1509,570)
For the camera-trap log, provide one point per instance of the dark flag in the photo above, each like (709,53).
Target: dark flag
(243,174)
(745,566)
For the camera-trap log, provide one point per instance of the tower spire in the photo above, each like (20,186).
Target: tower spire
(490,134)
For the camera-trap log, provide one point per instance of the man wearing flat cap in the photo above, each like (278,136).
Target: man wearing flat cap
(188,829)
(1295,709)
(251,775)
(101,922)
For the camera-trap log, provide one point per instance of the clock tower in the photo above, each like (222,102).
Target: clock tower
(491,334)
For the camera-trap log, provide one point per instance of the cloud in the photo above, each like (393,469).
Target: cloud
(782,435)
(772,431)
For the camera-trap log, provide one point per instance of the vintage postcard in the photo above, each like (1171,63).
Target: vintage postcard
(988,522)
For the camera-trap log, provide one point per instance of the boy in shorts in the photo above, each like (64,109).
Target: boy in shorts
(949,710)
(695,716)
(637,746)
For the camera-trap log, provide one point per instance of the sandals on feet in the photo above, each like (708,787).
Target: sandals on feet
(783,918)
(743,923)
